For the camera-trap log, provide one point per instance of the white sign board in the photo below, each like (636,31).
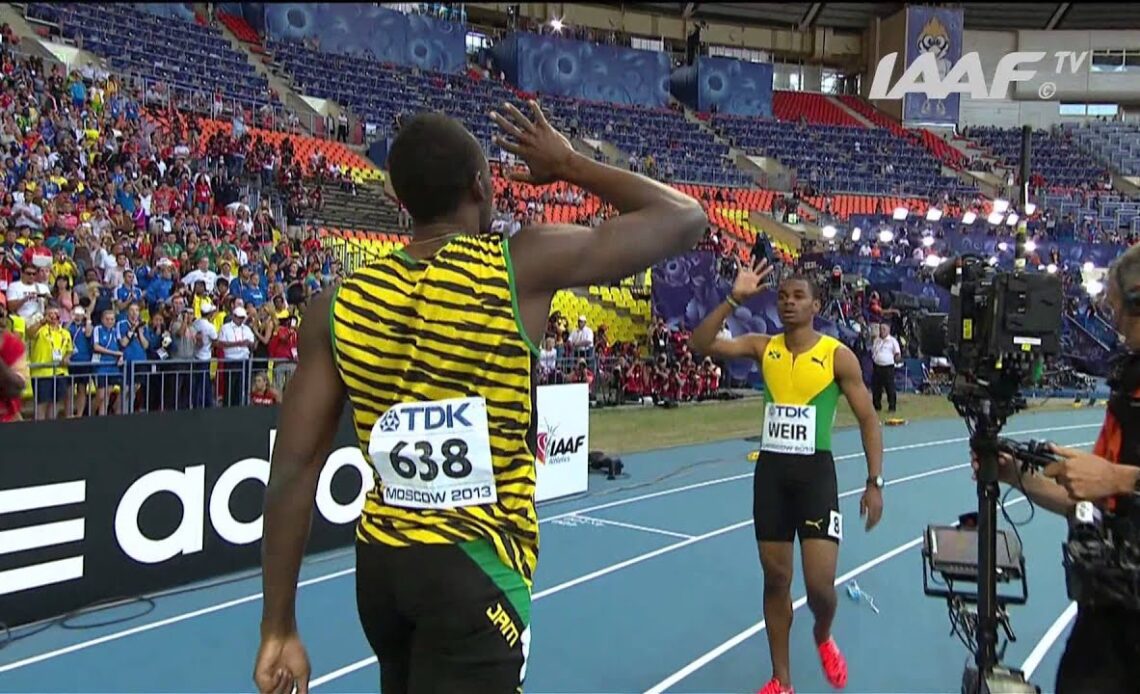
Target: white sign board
(563,447)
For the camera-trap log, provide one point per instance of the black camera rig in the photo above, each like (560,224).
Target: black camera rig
(1000,326)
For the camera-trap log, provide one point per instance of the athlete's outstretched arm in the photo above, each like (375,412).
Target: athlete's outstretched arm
(655,221)
(849,376)
(310,413)
(706,339)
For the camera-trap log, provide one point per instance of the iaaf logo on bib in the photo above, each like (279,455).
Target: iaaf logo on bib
(935,78)
(553,450)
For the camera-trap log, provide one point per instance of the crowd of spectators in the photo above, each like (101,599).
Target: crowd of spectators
(142,267)
(621,372)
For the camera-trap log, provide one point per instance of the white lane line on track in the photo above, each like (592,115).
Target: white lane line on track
(142,628)
(366,662)
(751,631)
(1051,635)
(632,526)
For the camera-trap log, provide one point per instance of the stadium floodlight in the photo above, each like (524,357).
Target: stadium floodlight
(856,234)
(928,241)
(969,218)
(1011,220)
(900,213)
(886,236)
(1003,246)
(995,218)
(1000,206)
(1051,269)
(933,214)
(1094,287)
(829,232)
(1030,246)
(1030,208)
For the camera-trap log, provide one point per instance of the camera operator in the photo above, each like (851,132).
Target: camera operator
(1103,651)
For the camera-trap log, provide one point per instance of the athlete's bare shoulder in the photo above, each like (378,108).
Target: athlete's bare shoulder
(846,364)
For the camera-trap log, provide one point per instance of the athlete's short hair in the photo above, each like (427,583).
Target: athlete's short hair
(432,162)
(812,286)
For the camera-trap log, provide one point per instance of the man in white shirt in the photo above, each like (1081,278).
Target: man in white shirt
(236,339)
(582,339)
(202,272)
(885,354)
(27,297)
(201,389)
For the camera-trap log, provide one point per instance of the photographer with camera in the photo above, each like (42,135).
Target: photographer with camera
(1102,654)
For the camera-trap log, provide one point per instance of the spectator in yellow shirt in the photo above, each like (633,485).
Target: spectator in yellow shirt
(63,266)
(51,353)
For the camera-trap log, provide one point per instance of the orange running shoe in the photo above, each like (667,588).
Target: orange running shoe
(775,687)
(834,664)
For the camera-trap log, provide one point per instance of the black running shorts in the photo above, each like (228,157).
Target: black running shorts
(796,494)
(443,619)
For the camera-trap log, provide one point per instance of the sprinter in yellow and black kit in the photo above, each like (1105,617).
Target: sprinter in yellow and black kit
(433,346)
(794,488)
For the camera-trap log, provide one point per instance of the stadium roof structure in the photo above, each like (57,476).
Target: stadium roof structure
(855,16)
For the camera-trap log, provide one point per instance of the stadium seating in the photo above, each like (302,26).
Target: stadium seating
(240,28)
(379,92)
(843,157)
(186,57)
(676,145)
(815,109)
(936,145)
(1115,144)
(1056,156)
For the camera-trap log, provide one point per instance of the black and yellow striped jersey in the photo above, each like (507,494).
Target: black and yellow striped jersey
(414,336)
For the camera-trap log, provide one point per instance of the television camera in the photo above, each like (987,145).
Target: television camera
(1001,325)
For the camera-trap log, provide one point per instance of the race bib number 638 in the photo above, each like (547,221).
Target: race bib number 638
(434,454)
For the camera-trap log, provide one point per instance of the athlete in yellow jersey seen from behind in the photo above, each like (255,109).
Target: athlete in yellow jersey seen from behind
(794,487)
(434,347)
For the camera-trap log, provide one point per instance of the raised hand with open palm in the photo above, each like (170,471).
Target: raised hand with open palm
(750,280)
(533,139)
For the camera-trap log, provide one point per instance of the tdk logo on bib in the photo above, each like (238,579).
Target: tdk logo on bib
(792,411)
(425,418)
(789,429)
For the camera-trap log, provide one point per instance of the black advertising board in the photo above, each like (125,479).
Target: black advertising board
(114,507)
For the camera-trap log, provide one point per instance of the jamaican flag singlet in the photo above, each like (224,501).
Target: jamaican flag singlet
(438,370)
(800,397)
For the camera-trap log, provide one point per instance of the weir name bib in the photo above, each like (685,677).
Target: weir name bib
(789,429)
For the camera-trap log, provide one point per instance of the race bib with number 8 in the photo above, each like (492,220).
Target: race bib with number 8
(835,525)
(434,455)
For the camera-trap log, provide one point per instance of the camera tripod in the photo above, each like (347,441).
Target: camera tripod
(985,418)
